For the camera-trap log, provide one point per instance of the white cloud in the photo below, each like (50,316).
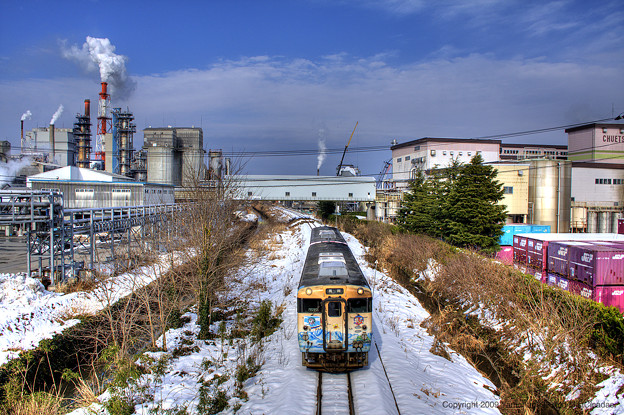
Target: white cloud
(267,103)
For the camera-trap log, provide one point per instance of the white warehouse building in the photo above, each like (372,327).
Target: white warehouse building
(305,188)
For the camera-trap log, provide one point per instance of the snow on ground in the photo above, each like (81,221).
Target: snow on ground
(421,381)
(29,313)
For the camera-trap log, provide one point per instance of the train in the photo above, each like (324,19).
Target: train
(334,306)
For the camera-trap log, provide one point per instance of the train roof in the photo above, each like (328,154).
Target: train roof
(330,261)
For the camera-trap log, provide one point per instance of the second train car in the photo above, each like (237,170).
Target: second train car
(334,305)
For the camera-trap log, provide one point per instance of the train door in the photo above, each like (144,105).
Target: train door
(334,325)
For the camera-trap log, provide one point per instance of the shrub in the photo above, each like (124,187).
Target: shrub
(264,323)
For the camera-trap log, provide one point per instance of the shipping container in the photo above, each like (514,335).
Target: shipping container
(505,255)
(520,250)
(539,274)
(611,296)
(540,228)
(551,279)
(537,253)
(559,256)
(597,264)
(512,229)
(582,289)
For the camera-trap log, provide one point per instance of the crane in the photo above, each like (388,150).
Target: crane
(345,150)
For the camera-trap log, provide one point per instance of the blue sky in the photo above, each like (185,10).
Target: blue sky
(277,75)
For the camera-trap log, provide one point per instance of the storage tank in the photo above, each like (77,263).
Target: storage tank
(163,165)
(192,166)
(549,193)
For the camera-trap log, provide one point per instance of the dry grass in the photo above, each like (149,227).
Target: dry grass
(41,403)
(553,329)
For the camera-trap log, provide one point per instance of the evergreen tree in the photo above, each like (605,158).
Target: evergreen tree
(474,217)
(415,214)
(325,209)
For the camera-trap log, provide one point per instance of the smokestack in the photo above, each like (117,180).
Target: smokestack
(318,172)
(22,136)
(52,141)
(87,108)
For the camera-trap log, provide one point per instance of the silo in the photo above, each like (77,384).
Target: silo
(163,165)
(192,166)
(549,193)
(214,169)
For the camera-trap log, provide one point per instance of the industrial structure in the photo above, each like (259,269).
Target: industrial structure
(289,189)
(55,234)
(103,124)
(82,136)
(86,188)
(122,142)
(175,156)
(597,154)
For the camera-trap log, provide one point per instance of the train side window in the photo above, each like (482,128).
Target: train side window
(359,305)
(309,305)
(334,309)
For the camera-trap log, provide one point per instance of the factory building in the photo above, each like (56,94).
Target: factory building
(597,155)
(51,144)
(305,188)
(432,153)
(86,188)
(175,156)
(531,151)
(536,179)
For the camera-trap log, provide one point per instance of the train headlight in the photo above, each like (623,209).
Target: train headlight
(360,291)
(364,327)
(305,328)
(309,291)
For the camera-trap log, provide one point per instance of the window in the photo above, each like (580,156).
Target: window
(416,148)
(313,194)
(350,194)
(309,305)
(249,193)
(334,309)
(608,181)
(460,153)
(407,158)
(444,153)
(432,153)
(508,190)
(399,160)
(287,193)
(469,153)
(359,305)
(597,181)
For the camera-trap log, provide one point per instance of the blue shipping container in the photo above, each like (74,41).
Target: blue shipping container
(540,228)
(512,229)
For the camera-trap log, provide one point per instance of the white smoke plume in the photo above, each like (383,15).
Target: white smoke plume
(99,54)
(57,114)
(9,170)
(26,115)
(322,148)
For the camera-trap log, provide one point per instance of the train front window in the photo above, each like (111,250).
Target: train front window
(359,305)
(334,309)
(309,305)
(333,269)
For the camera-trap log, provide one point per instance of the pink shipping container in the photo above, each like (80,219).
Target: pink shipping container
(579,288)
(537,253)
(505,255)
(611,296)
(597,264)
(520,250)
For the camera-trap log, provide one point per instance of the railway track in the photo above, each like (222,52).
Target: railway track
(334,394)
